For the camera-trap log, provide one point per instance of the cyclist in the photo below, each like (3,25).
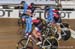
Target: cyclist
(27,18)
(53,19)
(37,30)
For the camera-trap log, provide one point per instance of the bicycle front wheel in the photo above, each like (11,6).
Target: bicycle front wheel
(50,43)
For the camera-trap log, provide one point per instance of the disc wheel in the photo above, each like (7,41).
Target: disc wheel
(67,35)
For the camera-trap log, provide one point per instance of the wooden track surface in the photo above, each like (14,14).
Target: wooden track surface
(9,36)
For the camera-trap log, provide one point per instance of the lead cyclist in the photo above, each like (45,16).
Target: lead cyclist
(54,19)
(27,13)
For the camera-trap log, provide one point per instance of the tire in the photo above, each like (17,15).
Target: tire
(22,43)
(67,36)
(53,42)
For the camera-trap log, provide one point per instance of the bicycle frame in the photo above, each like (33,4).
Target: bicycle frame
(31,39)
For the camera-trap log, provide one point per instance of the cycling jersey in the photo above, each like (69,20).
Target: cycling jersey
(32,7)
(50,16)
(25,7)
(38,24)
(28,19)
(57,17)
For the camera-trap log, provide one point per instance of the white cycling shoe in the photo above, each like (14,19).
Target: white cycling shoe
(26,35)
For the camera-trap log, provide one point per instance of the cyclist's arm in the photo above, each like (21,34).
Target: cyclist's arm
(25,7)
(23,18)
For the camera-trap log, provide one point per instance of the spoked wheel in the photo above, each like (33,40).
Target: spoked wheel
(54,43)
(57,36)
(66,35)
(50,43)
(22,43)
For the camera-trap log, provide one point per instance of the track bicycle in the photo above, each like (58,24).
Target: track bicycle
(48,42)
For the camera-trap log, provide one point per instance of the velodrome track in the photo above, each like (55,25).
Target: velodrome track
(9,36)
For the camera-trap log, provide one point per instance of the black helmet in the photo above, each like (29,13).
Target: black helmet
(22,2)
(32,4)
(46,8)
